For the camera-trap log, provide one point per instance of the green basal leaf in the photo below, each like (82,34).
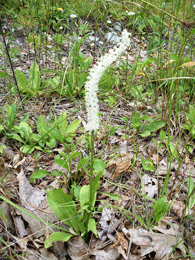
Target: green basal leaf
(95,183)
(27,149)
(180,32)
(84,198)
(173,150)
(42,126)
(62,122)
(135,117)
(61,162)
(38,175)
(21,80)
(92,226)
(162,135)
(2,147)
(72,127)
(65,209)
(145,133)
(55,134)
(26,129)
(64,155)
(74,155)
(191,114)
(159,209)
(190,190)
(82,162)
(147,164)
(155,125)
(18,138)
(99,165)
(1,128)
(57,236)
(51,143)
(34,76)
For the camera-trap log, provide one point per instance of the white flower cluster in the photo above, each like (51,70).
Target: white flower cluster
(95,74)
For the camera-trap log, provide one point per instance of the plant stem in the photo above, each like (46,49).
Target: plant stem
(91,167)
(9,58)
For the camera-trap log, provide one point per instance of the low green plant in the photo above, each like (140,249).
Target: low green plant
(24,134)
(74,210)
(33,85)
(147,164)
(145,129)
(66,209)
(75,77)
(191,193)
(7,122)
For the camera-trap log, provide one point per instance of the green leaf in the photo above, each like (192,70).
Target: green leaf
(155,125)
(25,130)
(62,122)
(74,155)
(57,236)
(189,195)
(180,32)
(21,80)
(92,226)
(82,162)
(147,164)
(55,134)
(65,209)
(1,128)
(72,127)
(162,135)
(159,209)
(145,133)
(191,114)
(42,126)
(135,117)
(99,165)
(11,113)
(51,143)
(18,138)
(34,76)
(27,149)
(2,147)
(38,175)
(95,183)
(84,198)
(3,216)
(173,149)
(3,74)
(112,196)
(61,162)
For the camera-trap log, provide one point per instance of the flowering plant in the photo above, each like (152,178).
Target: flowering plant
(95,74)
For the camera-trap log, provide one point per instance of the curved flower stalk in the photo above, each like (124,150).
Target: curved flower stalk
(95,74)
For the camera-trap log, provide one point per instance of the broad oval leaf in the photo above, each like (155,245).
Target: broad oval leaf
(38,175)
(72,127)
(57,236)
(155,125)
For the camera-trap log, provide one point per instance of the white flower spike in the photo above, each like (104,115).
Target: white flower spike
(95,74)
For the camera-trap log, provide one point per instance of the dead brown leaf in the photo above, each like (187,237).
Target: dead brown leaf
(120,164)
(178,208)
(149,242)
